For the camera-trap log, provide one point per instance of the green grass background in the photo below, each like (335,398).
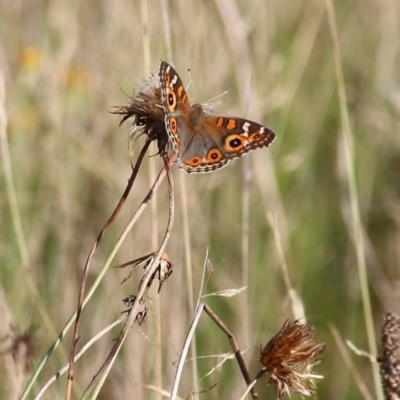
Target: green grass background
(65,64)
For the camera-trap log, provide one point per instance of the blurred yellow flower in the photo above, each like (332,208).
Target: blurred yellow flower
(77,78)
(31,58)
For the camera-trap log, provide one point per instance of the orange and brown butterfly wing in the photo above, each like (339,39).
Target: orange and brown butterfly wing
(175,102)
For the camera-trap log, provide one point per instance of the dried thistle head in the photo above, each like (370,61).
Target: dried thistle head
(390,359)
(289,358)
(147,113)
(21,348)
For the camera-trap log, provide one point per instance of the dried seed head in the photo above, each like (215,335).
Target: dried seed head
(141,315)
(289,358)
(146,110)
(21,348)
(162,272)
(129,301)
(143,312)
(390,359)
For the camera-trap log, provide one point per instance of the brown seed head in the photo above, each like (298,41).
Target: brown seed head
(289,358)
(21,348)
(147,113)
(390,359)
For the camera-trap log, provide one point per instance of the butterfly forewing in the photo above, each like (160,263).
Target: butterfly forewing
(175,102)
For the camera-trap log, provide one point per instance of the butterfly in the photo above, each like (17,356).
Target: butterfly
(204,141)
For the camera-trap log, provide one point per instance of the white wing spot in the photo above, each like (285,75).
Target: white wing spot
(245,127)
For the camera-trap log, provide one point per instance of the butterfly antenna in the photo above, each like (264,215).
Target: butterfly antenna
(211,104)
(191,83)
(217,97)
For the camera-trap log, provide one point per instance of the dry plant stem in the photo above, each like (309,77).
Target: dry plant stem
(87,265)
(10,189)
(162,392)
(235,348)
(349,363)
(232,340)
(355,210)
(167,28)
(189,273)
(259,375)
(146,40)
(240,49)
(97,382)
(73,316)
(94,339)
(301,49)
(297,306)
(245,248)
(238,42)
(185,350)
(152,176)
(29,282)
(244,396)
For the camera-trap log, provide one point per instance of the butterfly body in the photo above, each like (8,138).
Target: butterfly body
(203,140)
